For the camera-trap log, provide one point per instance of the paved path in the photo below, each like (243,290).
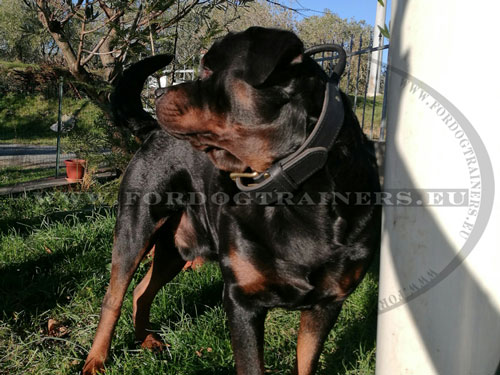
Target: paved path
(47,183)
(29,156)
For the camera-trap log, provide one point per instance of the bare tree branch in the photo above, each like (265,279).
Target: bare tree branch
(106,23)
(100,53)
(183,12)
(74,9)
(82,35)
(95,49)
(106,9)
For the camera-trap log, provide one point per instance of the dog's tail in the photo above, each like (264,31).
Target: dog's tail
(126,97)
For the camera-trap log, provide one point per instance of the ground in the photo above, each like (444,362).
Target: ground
(54,268)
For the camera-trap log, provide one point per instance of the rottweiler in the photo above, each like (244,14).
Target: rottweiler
(194,189)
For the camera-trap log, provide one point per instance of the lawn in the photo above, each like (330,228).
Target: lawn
(17,175)
(55,263)
(366,120)
(26,118)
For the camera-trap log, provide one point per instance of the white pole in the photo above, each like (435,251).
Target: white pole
(439,297)
(376,63)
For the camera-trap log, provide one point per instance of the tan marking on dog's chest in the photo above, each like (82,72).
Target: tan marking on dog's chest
(249,278)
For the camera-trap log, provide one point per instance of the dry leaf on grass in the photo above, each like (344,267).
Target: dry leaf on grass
(56,329)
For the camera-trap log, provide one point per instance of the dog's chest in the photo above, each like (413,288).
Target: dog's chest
(283,282)
(291,264)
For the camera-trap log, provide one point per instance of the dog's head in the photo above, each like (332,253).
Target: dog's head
(255,99)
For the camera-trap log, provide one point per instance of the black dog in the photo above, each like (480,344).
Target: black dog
(257,100)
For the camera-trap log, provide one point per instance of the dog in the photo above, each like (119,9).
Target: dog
(257,100)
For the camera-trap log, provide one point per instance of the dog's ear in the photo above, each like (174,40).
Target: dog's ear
(269,50)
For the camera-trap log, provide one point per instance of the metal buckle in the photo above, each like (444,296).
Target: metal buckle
(235,175)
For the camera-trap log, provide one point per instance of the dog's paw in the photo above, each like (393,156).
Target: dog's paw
(194,264)
(153,342)
(93,366)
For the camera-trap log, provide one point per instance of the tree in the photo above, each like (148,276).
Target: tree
(330,28)
(262,13)
(200,28)
(98,38)
(22,37)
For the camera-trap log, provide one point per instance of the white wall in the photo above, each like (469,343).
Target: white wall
(440,266)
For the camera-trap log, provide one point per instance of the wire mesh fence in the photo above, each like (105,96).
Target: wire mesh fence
(28,146)
(35,119)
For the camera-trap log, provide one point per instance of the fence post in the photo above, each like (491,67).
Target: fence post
(349,66)
(357,75)
(59,126)
(367,80)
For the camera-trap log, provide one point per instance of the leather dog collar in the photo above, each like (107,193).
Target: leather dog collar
(287,174)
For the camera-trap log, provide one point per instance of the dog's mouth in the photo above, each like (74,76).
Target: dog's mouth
(199,141)
(225,160)
(207,149)
(220,157)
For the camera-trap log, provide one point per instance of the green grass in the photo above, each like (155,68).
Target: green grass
(17,175)
(31,206)
(59,269)
(368,110)
(16,65)
(26,119)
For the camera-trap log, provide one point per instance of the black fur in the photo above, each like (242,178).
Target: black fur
(126,98)
(256,102)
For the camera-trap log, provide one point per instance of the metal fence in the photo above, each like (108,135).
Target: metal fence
(31,129)
(370,107)
(171,77)
(167,78)
(28,143)
(368,104)
(39,161)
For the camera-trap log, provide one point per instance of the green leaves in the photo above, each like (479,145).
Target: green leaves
(381,2)
(385,31)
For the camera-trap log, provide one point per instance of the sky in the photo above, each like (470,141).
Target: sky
(357,9)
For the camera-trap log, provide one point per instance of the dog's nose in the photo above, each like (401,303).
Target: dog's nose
(159,92)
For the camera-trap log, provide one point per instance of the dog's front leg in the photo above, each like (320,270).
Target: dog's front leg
(246,325)
(315,324)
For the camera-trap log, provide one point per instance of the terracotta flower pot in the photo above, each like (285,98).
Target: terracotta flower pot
(75,169)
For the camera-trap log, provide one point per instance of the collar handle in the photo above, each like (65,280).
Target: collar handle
(287,174)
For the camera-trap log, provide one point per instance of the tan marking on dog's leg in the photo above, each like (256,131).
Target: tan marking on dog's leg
(166,264)
(110,312)
(315,324)
(122,270)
